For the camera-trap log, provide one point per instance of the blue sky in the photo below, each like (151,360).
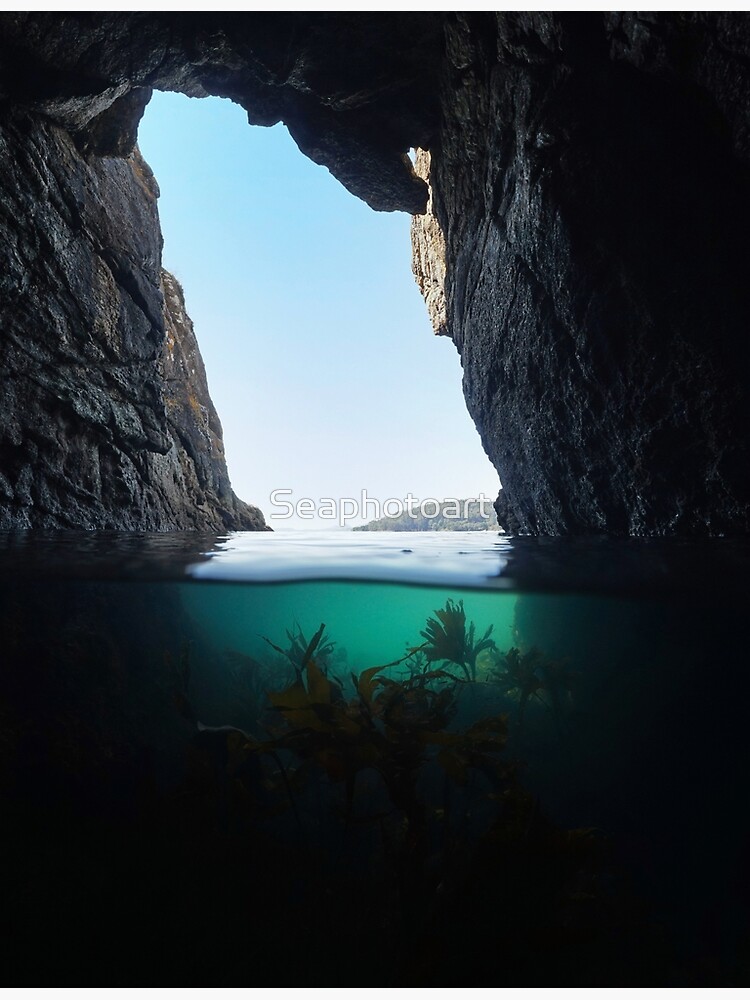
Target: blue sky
(321,360)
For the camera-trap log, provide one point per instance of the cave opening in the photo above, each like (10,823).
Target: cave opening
(228,756)
(314,335)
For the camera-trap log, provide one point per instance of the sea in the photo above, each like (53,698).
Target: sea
(337,759)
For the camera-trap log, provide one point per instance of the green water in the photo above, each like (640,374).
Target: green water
(371,623)
(566,806)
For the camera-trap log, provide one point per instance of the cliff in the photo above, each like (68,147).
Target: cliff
(195,466)
(584,247)
(590,185)
(96,362)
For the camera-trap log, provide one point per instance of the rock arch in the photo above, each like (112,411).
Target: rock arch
(589,179)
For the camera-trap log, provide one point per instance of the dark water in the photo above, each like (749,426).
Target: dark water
(544,784)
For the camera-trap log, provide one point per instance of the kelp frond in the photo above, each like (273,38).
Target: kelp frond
(300,651)
(447,638)
(532,675)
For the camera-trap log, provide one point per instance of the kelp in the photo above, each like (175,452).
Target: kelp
(389,725)
(532,675)
(432,818)
(449,640)
(400,730)
(517,674)
(397,726)
(299,650)
(450,870)
(415,663)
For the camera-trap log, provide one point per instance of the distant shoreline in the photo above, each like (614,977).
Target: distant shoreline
(446,519)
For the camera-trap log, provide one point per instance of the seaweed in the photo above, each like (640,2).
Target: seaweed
(532,675)
(300,649)
(448,640)
(388,725)
(517,674)
(374,787)
(354,832)
(398,729)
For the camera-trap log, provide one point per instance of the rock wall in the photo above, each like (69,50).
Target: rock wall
(590,180)
(356,91)
(105,417)
(428,253)
(584,247)
(195,466)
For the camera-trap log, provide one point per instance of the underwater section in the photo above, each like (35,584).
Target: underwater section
(371,623)
(331,782)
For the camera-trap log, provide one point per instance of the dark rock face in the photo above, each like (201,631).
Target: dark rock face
(94,428)
(595,218)
(355,90)
(589,175)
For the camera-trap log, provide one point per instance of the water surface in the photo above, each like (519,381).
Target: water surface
(393,759)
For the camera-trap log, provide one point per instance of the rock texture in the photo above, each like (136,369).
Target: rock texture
(105,417)
(585,244)
(195,465)
(428,253)
(590,177)
(356,91)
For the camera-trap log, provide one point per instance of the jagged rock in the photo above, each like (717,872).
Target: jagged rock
(589,176)
(196,460)
(114,132)
(428,253)
(354,90)
(91,434)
